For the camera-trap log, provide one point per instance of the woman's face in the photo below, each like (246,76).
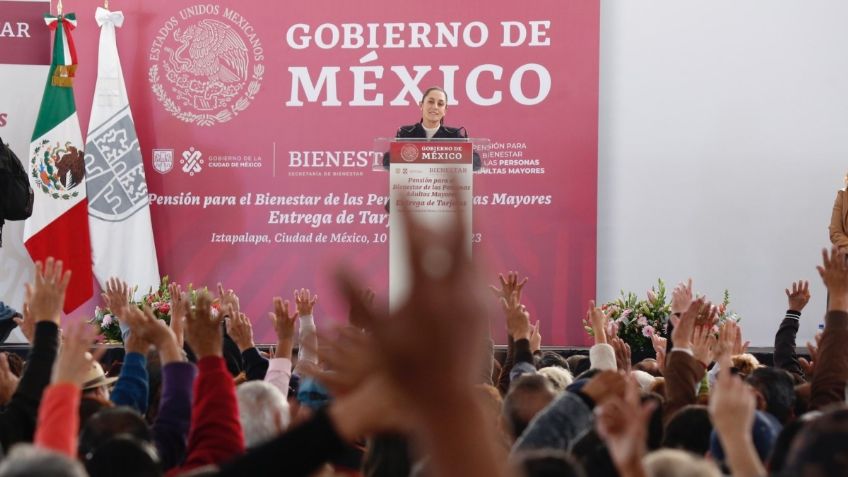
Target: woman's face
(433,108)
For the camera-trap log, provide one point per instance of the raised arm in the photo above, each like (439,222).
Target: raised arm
(215,434)
(280,366)
(602,354)
(508,286)
(46,295)
(682,368)
(445,308)
(133,385)
(305,303)
(520,330)
(241,331)
(784,340)
(170,429)
(828,384)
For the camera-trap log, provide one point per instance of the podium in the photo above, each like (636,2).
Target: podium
(432,179)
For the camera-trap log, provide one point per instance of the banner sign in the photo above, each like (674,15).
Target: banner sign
(24,40)
(255,125)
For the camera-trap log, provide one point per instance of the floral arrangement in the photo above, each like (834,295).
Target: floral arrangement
(638,320)
(159,302)
(108,324)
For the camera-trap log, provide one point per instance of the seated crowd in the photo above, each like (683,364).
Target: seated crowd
(418,393)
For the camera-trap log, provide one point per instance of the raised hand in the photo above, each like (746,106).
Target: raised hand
(47,293)
(517,318)
(681,297)
(509,286)
(304,301)
(809,366)
(240,330)
(178,311)
(145,325)
(445,308)
(374,406)
(26,322)
(117,296)
(228,299)
(203,331)
(684,326)
(703,342)
(622,354)
(834,273)
(535,338)
(8,380)
(598,319)
(660,344)
(605,385)
(357,315)
(799,296)
(135,342)
(74,360)
(284,327)
(350,358)
(622,423)
(729,340)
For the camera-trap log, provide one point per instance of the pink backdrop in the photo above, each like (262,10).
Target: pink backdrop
(549,236)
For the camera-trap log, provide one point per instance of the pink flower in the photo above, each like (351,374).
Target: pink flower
(626,313)
(641,321)
(107,320)
(652,297)
(648,331)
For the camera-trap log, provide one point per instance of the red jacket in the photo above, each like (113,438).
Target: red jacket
(215,435)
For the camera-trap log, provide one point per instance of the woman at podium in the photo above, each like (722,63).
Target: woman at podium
(434,106)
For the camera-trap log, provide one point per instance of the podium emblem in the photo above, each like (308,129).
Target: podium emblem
(409,152)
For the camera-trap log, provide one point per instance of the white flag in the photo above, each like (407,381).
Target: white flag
(118,206)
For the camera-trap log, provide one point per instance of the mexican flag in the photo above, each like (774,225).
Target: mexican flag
(59,223)
(118,207)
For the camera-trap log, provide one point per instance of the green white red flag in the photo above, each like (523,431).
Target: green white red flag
(59,223)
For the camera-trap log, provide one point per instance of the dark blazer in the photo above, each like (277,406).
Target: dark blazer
(445,132)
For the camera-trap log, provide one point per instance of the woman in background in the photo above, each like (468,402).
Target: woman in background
(839,220)
(434,106)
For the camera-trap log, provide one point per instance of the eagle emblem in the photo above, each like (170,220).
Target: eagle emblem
(57,169)
(207,73)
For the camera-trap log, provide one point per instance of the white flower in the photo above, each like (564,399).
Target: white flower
(107,320)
